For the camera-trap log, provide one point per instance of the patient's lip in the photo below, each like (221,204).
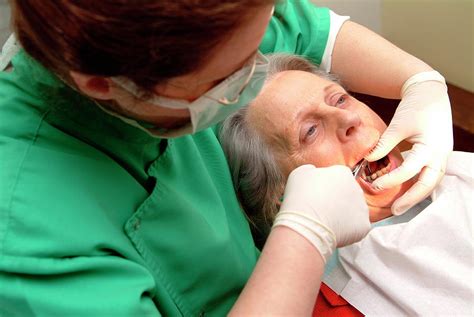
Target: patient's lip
(364,154)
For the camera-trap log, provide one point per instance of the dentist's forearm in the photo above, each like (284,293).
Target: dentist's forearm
(287,276)
(285,281)
(369,64)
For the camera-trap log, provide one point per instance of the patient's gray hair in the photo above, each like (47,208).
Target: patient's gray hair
(258,180)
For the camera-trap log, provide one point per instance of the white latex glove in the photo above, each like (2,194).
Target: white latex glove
(423,118)
(326,206)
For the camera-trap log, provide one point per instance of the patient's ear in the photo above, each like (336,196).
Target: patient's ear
(93,86)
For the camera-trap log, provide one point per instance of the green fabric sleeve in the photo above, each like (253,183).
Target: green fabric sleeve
(79,286)
(298,27)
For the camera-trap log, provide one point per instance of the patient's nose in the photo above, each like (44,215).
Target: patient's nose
(347,124)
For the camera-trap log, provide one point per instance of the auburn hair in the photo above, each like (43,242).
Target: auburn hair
(146,41)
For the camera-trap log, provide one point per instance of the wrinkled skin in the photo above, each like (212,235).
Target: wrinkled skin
(309,120)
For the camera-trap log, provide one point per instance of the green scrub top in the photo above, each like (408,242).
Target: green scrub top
(99,219)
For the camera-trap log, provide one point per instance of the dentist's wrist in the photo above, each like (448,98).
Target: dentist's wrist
(420,78)
(319,235)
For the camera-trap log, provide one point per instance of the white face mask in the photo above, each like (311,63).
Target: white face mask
(236,91)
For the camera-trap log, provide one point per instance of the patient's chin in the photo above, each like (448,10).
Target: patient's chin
(379,213)
(380,204)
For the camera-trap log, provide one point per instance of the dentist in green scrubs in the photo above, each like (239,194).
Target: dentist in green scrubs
(115,195)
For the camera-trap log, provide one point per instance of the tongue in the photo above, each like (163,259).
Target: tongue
(373,166)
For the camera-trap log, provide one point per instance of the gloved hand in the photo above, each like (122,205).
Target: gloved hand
(326,206)
(423,118)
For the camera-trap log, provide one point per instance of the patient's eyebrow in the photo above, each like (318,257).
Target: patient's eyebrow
(332,86)
(313,103)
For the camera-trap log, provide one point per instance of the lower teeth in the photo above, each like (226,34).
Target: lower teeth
(376,174)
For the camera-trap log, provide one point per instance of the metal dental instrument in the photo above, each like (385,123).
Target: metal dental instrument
(359,168)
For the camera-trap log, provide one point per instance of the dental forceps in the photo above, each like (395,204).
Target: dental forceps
(359,168)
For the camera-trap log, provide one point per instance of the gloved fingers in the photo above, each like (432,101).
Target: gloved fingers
(427,181)
(389,139)
(295,178)
(417,158)
(314,194)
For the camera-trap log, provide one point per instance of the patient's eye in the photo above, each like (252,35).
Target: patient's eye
(341,100)
(311,130)
(308,132)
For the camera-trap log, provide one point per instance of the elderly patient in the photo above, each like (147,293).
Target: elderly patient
(302,116)
(418,263)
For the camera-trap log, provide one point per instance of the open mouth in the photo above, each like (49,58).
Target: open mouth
(373,170)
(376,169)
